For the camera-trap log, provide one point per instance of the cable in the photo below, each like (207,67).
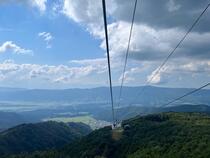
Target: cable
(173,51)
(185,95)
(108,59)
(127,51)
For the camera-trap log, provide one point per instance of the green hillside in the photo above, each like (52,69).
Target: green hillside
(40,136)
(166,135)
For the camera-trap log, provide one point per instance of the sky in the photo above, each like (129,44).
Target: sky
(56,44)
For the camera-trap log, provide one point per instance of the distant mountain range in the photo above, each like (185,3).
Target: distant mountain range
(152,96)
(40,136)
(165,135)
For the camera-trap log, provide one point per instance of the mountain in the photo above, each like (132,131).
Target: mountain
(132,111)
(9,119)
(152,96)
(187,108)
(164,135)
(40,136)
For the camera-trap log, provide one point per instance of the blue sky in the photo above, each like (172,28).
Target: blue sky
(69,39)
(60,44)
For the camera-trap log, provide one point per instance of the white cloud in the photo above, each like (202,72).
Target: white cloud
(172,6)
(148,43)
(88,13)
(154,78)
(57,7)
(85,12)
(47,37)
(70,10)
(40,4)
(193,67)
(11,46)
(130,75)
(87,72)
(97,61)
(60,74)
(185,69)
(152,38)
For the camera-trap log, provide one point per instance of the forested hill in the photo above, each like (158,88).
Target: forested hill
(40,136)
(166,135)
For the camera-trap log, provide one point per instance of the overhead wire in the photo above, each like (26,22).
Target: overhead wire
(108,59)
(172,52)
(187,94)
(127,52)
(126,58)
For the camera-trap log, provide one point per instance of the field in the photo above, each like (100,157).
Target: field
(87,119)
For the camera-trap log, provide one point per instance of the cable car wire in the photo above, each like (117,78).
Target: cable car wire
(108,59)
(187,94)
(173,51)
(127,52)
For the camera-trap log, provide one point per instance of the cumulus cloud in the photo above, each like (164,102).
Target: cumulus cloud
(11,46)
(149,44)
(47,37)
(88,13)
(39,4)
(78,73)
(97,61)
(148,41)
(130,74)
(163,13)
(174,71)
(100,63)
(60,74)
(153,13)
(159,26)
(88,10)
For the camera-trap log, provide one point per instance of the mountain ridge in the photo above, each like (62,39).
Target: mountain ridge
(152,96)
(40,136)
(162,135)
